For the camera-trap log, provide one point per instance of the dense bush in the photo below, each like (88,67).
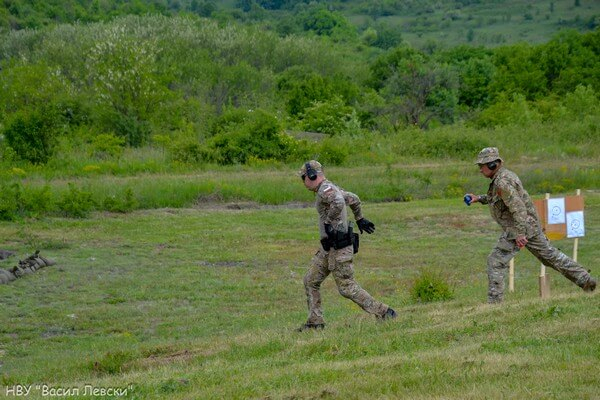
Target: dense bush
(33,134)
(430,287)
(515,111)
(76,202)
(331,117)
(189,151)
(193,82)
(259,135)
(440,145)
(8,203)
(121,204)
(107,145)
(332,152)
(17,201)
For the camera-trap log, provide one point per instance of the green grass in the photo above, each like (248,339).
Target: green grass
(280,185)
(202,304)
(555,157)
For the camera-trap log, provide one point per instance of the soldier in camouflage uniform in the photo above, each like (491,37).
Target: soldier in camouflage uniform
(513,210)
(336,251)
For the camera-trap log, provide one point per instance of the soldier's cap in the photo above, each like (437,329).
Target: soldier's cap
(313,164)
(487,155)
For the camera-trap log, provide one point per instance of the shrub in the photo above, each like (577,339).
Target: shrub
(8,203)
(229,120)
(443,145)
(332,152)
(107,145)
(36,202)
(133,129)
(122,205)
(112,363)
(76,203)
(507,112)
(260,136)
(582,102)
(17,201)
(189,151)
(32,135)
(429,287)
(330,117)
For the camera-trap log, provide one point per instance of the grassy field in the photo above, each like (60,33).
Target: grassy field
(201,303)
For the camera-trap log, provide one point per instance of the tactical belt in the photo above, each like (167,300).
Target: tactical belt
(341,240)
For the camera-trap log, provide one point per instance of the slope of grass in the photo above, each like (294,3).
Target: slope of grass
(196,303)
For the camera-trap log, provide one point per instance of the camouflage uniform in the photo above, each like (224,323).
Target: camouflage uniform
(512,208)
(331,204)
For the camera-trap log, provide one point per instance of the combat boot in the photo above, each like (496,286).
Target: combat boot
(590,285)
(390,313)
(308,327)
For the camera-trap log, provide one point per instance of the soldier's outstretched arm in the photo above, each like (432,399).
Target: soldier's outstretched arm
(353,201)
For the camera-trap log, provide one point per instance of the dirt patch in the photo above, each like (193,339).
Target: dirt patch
(212,203)
(163,357)
(222,264)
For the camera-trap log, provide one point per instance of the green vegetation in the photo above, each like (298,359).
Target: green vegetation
(150,147)
(168,97)
(382,23)
(203,304)
(429,287)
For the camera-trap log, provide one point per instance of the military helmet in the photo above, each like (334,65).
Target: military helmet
(314,165)
(487,155)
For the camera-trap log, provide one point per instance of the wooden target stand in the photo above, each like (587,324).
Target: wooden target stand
(555,228)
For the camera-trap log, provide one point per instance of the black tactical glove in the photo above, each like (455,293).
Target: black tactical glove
(365,225)
(329,231)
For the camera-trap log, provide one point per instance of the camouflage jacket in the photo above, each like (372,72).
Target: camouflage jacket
(331,205)
(510,205)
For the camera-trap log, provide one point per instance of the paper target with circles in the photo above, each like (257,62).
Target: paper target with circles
(552,211)
(575,225)
(556,211)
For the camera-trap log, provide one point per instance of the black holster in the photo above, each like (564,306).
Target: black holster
(341,240)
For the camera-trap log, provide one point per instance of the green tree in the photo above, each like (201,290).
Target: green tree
(36,106)
(327,23)
(475,71)
(518,71)
(301,87)
(474,80)
(122,69)
(417,88)
(33,134)
(570,59)
(385,36)
(331,117)
(260,136)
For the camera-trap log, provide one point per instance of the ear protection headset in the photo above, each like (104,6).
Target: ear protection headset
(310,172)
(492,165)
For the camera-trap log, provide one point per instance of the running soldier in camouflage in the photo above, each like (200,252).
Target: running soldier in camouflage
(336,252)
(512,208)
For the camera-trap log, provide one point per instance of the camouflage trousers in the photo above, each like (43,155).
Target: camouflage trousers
(339,264)
(540,247)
